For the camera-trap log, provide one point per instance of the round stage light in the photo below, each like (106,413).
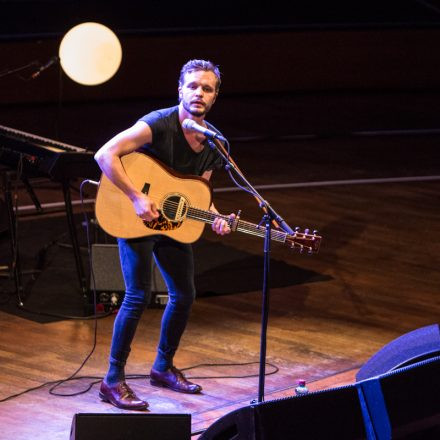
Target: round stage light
(90,53)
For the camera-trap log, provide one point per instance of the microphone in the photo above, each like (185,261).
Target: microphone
(53,60)
(189,124)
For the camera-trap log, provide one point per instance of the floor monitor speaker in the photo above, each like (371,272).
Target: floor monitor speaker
(88,426)
(333,413)
(412,347)
(405,404)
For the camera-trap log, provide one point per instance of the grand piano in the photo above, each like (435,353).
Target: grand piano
(25,155)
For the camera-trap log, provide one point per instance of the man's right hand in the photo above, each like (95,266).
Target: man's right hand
(145,208)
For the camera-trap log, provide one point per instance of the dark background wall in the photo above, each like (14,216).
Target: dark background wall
(251,62)
(358,61)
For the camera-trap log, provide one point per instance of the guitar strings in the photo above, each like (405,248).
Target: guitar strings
(199,214)
(243,226)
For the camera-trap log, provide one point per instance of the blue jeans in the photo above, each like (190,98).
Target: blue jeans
(175,261)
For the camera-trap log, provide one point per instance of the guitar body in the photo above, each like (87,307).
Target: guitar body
(172,193)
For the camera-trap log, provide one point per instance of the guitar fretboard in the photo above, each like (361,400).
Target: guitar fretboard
(242,226)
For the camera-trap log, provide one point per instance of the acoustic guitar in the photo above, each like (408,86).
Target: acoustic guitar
(183,202)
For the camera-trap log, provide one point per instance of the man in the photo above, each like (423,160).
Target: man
(160,134)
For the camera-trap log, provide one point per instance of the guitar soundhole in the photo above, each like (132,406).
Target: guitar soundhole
(175,207)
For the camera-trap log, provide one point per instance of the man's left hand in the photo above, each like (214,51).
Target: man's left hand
(221,226)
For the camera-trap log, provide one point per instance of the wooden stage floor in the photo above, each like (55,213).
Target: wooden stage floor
(375,278)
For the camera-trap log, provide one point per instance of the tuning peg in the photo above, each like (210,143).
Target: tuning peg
(315,232)
(306,231)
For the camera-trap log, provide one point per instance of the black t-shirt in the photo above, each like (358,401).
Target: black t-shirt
(171,148)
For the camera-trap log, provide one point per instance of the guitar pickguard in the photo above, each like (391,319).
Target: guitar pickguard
(162,224)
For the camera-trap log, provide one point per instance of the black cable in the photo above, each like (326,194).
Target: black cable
(275,370)
(98,379)
(95,331)
(13,396)
(228,168)
(15,251)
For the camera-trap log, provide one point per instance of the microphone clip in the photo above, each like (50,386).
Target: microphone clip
(43,67)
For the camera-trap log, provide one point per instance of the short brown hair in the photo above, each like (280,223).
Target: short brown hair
(194,65)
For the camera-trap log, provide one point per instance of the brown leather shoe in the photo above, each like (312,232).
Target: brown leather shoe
(121,396)
(173,379)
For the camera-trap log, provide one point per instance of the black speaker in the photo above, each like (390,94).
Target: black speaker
(333,413)
(327,414)
(412,347)
(87,426)
(106,269)
(405,403)
(108,274)
(238,424)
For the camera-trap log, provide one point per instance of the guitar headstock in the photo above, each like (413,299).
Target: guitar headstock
(304,241)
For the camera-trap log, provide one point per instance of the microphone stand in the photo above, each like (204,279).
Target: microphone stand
(8,72)
(270,217)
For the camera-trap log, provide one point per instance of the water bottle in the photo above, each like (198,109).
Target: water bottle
(301,388)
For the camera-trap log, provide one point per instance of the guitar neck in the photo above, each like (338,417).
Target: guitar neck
(242,226)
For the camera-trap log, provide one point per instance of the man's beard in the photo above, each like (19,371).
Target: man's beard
(197,113)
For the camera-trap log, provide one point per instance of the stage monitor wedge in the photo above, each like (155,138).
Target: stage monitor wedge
(415,346)
(405,403)
(89,426)
(327,414)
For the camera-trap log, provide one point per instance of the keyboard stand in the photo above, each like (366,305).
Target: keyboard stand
(74,240)
(15,270)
